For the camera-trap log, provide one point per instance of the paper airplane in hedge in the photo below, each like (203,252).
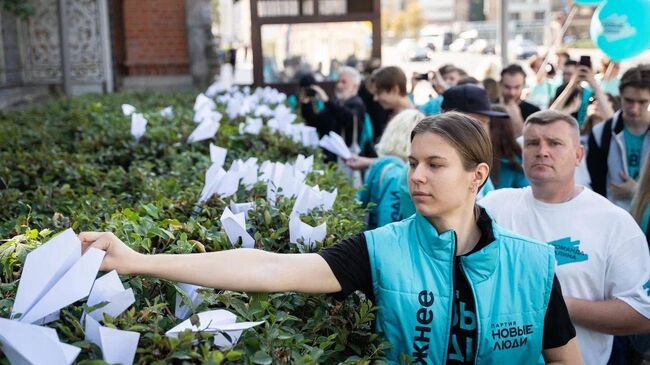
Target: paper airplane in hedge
(182,310)
(247,171)
(24,343)
(235,227)
(263,110)
(118,346)
(206,129)
(220,322)
(251,126)
(311,197)
(216,88)
(109,289)
(167,113)
(128,109)
(203,106)
(304,164)
(217,155)
(237,208)
(138,125)
(220,182)
(335,144)
(281,180)
(299,230)
(54,276)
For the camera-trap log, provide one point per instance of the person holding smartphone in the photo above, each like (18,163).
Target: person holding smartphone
(339,113)
(573,97)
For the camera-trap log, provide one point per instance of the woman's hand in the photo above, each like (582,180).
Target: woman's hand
(359,162)
(118,256)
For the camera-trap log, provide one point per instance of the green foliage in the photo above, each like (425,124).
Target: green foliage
(73,163)
(21,8)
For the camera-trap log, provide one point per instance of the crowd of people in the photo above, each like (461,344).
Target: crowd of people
(508,219)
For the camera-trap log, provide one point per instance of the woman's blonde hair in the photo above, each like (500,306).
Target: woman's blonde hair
(395,141)
(642,196)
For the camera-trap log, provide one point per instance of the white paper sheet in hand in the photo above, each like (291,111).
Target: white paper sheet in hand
(218,155)
(25,343)
(235,227)
(206,130)
(167,113)
(335,144)
(118,347)
(128,109)
(301,230)
(138,125)
(217,322)
(182,310)
(55,275)
(109,289)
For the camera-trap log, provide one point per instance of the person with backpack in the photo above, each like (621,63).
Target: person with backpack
(618,147)
(451,286)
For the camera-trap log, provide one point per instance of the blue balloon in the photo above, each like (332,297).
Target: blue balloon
(621,28)
(587,2)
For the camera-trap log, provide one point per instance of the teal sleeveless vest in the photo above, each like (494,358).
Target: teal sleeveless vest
(412,274)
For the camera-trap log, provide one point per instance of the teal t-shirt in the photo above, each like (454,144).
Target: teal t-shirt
(633,147)
(432,107)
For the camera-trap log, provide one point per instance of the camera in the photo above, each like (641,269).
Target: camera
(421,77)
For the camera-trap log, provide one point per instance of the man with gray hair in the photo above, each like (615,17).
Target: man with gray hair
(340,113)
(603,263)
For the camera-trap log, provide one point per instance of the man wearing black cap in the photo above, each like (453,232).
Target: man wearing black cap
(471,100)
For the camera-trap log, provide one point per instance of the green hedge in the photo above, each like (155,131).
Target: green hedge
(73,163)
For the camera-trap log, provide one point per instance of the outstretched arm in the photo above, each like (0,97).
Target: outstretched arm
(240,270)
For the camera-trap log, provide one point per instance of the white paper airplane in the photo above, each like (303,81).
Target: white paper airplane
(167,113)
(128,109)
(182,310)
(235,227)
(24,343)
(118,347)
(109,289)
(218,155)
(309,235)
(335,144)
(206,130)
(54,276)
(138,125)
(217,321)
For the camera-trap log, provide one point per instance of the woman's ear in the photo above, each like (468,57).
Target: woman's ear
(481,174)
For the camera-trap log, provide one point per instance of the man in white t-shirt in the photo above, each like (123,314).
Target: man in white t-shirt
(602,255)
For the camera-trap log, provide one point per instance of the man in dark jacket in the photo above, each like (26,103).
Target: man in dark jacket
(340,113)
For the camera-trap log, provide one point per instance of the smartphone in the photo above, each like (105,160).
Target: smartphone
(585,61)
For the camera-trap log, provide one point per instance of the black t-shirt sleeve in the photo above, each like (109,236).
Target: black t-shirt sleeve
(350,263)
(558,329)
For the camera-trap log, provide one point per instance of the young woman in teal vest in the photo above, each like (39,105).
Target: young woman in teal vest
(452,286)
